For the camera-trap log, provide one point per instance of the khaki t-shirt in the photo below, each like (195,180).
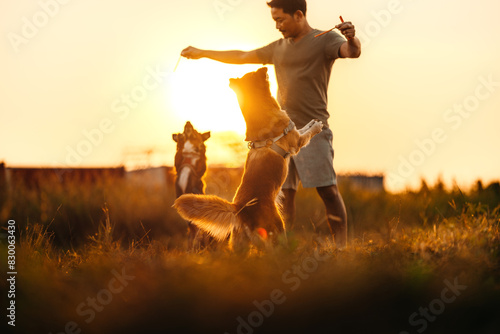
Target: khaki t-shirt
(303,72)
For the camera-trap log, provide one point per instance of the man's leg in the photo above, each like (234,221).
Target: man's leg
(289,207)
(335,213)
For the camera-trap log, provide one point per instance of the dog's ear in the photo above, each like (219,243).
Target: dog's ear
(233,83)
(205,135)
(262,72)
(178,137)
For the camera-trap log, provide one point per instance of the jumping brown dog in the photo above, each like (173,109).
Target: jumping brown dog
(272,139)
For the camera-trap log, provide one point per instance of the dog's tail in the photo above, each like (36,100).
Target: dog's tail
(212,214)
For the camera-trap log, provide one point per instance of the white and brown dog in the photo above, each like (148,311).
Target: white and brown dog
(272,139)
(190,166)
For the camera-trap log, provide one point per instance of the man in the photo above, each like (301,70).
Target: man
(303,65)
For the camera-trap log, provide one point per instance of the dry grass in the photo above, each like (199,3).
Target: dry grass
(398,262)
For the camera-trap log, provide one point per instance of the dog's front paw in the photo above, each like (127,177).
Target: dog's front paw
(317,126)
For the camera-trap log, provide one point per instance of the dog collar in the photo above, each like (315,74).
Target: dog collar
(271,143)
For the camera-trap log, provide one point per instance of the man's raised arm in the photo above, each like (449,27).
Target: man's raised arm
(229,57)
(351,48)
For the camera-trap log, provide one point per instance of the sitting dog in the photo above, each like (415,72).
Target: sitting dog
(272,139)
(190,165)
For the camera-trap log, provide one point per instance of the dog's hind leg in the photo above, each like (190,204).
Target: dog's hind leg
(280,223)
(240,240)
(271,220)
(193,243)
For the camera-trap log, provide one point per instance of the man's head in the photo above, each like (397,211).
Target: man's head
(289,15)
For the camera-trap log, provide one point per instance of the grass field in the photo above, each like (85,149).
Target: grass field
(112,258)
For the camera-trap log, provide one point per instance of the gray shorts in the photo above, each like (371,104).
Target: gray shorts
(313,166)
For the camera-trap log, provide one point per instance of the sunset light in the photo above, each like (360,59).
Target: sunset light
(135,197)
(200,93)
(65,80)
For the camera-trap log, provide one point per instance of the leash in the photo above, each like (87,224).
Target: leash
(271,143)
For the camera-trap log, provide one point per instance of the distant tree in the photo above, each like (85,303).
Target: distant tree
(479,186)
(494,188)
(424,188)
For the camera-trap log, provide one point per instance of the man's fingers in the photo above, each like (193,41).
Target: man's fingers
(189,52)
(347,29)
(185,52)
(344,25)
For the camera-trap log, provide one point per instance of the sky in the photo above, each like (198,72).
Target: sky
(92,83)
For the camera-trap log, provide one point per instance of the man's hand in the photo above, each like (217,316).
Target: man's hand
(347,29)
(351,48)
(192,53)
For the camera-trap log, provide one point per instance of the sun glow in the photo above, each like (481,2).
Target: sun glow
(200,93)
